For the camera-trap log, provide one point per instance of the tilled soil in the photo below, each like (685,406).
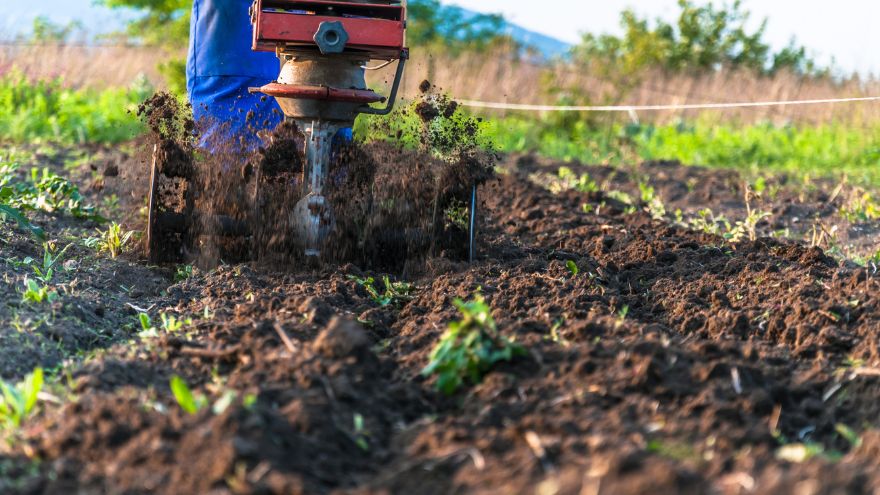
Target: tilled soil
(673,362)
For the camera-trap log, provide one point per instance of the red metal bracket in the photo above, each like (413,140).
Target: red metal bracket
(378,30)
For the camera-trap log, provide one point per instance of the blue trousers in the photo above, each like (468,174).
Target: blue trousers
(221,66)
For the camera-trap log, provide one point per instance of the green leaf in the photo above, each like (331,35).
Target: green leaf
(146,324)
(573,268)
(7,211)
(32,386)
(184,395)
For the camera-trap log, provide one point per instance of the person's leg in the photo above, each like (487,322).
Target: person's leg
(220,68)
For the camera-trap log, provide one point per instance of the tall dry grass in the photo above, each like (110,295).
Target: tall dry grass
(501,77)
(82,66)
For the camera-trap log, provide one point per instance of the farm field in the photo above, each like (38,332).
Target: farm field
(658,347)
(673,289)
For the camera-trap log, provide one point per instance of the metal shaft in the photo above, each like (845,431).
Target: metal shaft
(313,216)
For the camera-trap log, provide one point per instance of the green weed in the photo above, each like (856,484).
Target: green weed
(183,272)
(34,293)
(46,270)
(396,293)
(45,191)
(187,401)
(112,241)
(361,435)
(653,204)
(572,268)
(567,180)
(469,348)
(861,208)
(170,324)
(18,401)
(8,212)
(457,215)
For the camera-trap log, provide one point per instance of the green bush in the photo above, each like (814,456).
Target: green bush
(703,38)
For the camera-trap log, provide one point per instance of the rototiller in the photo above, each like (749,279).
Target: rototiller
(324,48)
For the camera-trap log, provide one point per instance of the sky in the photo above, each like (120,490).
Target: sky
(843,29)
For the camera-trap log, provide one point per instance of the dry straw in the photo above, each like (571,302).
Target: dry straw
(503,77)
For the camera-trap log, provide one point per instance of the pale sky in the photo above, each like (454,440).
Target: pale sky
(844,29)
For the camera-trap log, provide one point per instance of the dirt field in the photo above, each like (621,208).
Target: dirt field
(673,362)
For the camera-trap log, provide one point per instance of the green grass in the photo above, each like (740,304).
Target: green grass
(825,150)
(48,111)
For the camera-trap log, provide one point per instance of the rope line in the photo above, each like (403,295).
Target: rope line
(649,108)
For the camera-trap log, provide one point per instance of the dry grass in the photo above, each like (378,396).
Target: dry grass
(500,77)
(82,66)
(504,78)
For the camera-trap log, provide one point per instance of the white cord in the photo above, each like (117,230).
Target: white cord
(382,66)
(645,108)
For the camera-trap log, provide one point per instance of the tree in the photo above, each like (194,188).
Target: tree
(164,23)
(704,37)
(431,23)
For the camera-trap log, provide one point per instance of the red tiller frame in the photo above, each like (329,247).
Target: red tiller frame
(377,30)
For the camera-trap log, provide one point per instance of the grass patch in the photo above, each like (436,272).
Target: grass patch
(49,111)
(824,150)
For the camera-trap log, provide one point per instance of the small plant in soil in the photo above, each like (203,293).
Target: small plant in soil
(18,401)
(470,348)
(396,293)
(111,241)
(653,204)
(183,272)
(45,191)
(570,180)
(624,198)
(46,270)
(747,229)
(361,435)
(144,320)
(185,398)
(555,337)
(172,324)
(860,208)
(457,215)
(35,293)
(572,268)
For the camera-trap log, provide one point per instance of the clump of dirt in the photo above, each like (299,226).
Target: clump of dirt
(283,153)
(173,134)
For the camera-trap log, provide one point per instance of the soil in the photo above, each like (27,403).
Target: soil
(674,361)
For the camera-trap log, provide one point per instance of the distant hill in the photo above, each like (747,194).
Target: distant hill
(548,46)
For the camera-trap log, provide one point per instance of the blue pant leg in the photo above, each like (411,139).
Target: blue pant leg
(220,68)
